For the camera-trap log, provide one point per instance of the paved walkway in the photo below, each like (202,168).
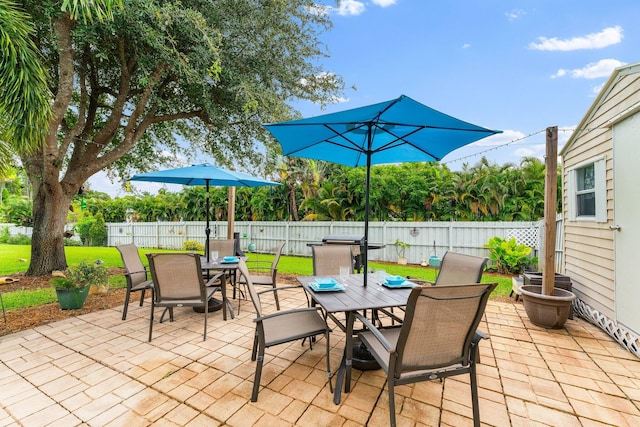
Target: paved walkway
(98,370)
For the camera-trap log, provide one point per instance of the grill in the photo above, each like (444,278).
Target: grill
(355,241)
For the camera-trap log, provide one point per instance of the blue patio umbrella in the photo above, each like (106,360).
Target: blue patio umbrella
(395,131)
(207,175)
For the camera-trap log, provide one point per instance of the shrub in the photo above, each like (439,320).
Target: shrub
(98,231)
(509,256)
(192,245)
(83,274)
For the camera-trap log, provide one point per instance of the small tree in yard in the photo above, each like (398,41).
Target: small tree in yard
(122,89)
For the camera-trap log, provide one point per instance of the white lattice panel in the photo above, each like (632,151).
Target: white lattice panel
(526,236)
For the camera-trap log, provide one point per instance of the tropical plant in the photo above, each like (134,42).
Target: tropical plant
(401,247)
(509,256)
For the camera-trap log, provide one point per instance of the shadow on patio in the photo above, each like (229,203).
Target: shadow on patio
(99,370)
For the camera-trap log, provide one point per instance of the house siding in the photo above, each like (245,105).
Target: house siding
(589,246)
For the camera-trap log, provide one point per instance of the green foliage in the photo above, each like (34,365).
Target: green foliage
(192,245)
(17,210)
(98,231)
(509,256)
(83,228)
(28,298)
(401,247)
(85,273)
(18,239)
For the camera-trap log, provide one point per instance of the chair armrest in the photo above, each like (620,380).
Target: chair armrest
(480,336)
(283,313)
(421,281)
(214,278)
(376,333)
(279,288)
(145,271)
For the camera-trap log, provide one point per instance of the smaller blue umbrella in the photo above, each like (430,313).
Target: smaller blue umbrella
(203,174)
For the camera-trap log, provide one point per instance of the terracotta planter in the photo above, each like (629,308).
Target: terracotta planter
(547,311)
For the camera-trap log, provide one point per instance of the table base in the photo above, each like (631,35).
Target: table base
(214,305)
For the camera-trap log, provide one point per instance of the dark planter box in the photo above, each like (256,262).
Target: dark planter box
(561,281)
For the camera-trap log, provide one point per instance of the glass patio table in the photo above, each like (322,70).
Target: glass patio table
(355,297)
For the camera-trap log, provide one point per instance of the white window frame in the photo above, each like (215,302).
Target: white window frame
(600,191)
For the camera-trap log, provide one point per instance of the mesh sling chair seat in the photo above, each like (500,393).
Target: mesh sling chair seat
(281,327)
(179,283)
(456,268)
(137,275)
(269,279)
(437,339)
(327,259)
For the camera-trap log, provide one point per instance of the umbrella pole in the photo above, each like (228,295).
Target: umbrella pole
(207,230)
(365,246)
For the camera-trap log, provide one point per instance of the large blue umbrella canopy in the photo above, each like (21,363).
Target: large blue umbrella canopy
(207,175)
(395,131)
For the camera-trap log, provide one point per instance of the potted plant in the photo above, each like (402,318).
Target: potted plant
(401,248)
(73,287)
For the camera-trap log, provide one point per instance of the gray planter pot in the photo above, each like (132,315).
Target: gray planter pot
(547,311)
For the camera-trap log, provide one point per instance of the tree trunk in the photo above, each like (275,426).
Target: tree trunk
(293,204)
(50,206)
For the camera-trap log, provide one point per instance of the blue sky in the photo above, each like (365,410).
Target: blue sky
(517,66)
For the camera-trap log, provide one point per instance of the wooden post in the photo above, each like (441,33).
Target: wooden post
(231,212)
(550,201)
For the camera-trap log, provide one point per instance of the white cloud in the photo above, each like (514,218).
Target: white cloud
(466,45)
(607,37)
(515,14)
(384,3)
(594,70)
(596,89)
(349,7)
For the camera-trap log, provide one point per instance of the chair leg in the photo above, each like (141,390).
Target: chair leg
(206,312)
(142,296)
(275,295)
(254,350)
(258,375)
(392,403)
(126,305)
(329,373)
(151,319)
(474,395)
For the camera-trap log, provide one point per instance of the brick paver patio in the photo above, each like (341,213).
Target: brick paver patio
(98,370)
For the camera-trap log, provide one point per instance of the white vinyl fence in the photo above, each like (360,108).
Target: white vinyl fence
(425,238)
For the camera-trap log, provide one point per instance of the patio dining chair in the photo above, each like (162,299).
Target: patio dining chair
(327,259)
(179,283)
(437,339)
(137,275)
(281,327)
(456,268)
(262,266)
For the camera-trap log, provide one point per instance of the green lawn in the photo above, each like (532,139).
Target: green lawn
(14,259)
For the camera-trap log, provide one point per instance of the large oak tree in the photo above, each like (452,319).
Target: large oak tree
(127,90)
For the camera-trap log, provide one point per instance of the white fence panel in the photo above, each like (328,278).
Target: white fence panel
(465,237)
